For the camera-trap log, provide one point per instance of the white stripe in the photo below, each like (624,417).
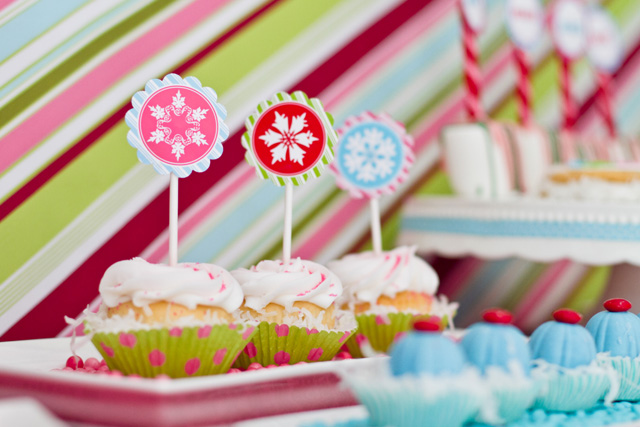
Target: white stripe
(53,38)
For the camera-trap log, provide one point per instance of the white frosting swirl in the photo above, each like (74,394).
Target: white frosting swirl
(188,284)
(367,275)
(275,282)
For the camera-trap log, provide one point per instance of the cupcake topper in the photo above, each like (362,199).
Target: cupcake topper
(617,305)
(564,315)
(568,32)
(497,316)
(289,139)
(474,15)
(373,156)
(605,52)
(525,22)
(177,127)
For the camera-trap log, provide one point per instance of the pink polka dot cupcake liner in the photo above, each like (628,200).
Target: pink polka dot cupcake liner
(176,352)
(377,332)
(278,344)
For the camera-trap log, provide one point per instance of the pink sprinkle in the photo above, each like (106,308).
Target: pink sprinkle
(204,331)
(108,350)
(282,330)
(175,332)
(223,288)
(197,269)
(247,334)
(75,362)
(211,276)
(192,366)
(281,357)
(219,356)
(157,358)
(250,350)
(314,354)
(332,285)
(92,363)
(333,295)
(118,285)
(127,340)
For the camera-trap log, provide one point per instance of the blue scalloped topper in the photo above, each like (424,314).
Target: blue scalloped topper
(177,125)
(373,156)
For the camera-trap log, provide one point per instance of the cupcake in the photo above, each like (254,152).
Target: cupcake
(426,381)
(501,353)
(564,356)
(294,304)
(616,332)
(174,320)
(386,291)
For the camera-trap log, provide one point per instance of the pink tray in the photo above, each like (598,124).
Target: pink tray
(26,370)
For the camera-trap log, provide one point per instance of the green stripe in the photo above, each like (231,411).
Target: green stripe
(589,290)
(99,168)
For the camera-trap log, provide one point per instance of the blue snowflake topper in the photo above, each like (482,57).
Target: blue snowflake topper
(373,155)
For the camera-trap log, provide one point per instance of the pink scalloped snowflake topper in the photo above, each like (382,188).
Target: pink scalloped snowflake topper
(373,155)
(177,125)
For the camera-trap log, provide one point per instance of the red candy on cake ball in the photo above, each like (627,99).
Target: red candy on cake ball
(497,316)
(564,315)
(617,305)
(431,324)
(92,363)
(75,362)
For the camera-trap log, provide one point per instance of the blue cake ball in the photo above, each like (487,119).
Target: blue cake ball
(426,351)
(495,342)
(563,342)
(616,330)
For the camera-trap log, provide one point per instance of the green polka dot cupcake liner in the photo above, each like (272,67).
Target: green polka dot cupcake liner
(377,332)
(279,344)
(178,352)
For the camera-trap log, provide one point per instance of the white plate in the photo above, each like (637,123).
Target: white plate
(26,370)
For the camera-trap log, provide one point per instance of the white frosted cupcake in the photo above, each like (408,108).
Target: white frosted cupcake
(386,291)
(175,320)
(295,305)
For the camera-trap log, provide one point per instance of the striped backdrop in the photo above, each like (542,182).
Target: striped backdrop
(74,199)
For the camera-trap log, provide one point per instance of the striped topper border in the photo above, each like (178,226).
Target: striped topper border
(134,138)
(327,122)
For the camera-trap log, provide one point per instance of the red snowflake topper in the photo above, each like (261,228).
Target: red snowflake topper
(289,139)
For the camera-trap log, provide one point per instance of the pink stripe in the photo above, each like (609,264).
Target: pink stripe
(546,281)
(498,135)
(337,222)
(395,45)
(43,122)
(5,3)
(217,196)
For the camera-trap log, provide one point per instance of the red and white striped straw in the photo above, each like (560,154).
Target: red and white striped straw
(568,104)
(523,89)
(472,74)
(605,104)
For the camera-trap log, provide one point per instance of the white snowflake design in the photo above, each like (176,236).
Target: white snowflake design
(166,114)
(288,139)
(369,155)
